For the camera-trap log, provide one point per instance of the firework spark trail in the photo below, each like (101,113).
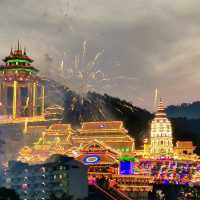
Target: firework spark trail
(84,49)
(62,66)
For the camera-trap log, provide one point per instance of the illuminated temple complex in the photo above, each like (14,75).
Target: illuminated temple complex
(161,134)
(21,90)
(62,139)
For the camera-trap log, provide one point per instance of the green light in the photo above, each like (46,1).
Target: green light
(128,158)
(127,149)
(29,70)
(19,61)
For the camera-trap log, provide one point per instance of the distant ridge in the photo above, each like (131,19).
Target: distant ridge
(185,110)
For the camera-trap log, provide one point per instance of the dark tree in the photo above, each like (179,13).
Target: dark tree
(63,197)
(8,194)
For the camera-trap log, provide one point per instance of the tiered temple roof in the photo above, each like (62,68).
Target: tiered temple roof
(109,125)
(18,61)
(99,128)
(112,133)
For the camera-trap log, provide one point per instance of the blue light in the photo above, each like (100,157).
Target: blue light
(126,168)
(165,182)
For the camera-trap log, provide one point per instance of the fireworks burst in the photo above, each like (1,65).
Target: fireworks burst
(83,76)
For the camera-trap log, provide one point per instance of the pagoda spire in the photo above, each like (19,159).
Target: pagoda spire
(161,109)
(161,105)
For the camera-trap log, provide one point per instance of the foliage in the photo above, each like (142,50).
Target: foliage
(8,194)
(63,197)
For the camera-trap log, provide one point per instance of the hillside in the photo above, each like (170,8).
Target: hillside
(94,107)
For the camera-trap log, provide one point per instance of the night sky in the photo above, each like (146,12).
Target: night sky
(146,44)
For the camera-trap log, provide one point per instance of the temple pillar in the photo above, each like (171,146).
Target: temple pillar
(4,98)
(42,100)
(34,99)
(30,95)
(19,104)
(1,107)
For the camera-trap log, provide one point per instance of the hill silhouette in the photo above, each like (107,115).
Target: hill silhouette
(185,110)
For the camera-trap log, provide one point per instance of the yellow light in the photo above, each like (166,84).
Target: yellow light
(34,98)
(43,93)
(14,99)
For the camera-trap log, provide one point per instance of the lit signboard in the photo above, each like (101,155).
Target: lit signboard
(91,160)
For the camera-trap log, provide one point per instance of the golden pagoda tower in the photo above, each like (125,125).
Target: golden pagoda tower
(21,90)
(161,134)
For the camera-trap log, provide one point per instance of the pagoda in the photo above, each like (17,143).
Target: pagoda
(161,134)
(21,90)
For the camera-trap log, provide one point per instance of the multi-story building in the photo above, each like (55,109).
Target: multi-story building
(59,176)
(185,150)
(2,177)
(54,112)
(161,134)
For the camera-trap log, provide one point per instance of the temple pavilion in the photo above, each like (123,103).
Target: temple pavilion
(111,133)
(21,90)
(56,139)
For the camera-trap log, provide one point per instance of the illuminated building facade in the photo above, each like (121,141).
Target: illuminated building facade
(111,133)
(147,149)
(21,90)
(59,175)
(54,112)
(161,134)
(56,139)
(97,153)
(185,150)
(195,180)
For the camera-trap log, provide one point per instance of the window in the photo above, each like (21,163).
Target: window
(75,166)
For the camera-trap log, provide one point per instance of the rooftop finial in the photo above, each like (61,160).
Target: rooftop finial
(18,45)
(25,51)
(11,51)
